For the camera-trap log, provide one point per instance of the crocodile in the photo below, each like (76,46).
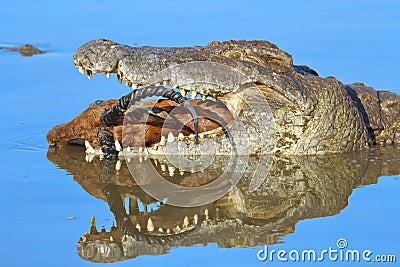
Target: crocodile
(309,114)
(297,188)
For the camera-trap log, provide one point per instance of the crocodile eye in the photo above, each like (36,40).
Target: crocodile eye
(97,102)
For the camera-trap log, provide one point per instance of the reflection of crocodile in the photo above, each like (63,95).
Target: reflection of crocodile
(313,115)
(296,189)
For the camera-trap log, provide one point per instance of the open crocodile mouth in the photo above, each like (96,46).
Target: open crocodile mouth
(152,125)
(215,94)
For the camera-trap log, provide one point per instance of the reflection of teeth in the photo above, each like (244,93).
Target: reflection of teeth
(118,146)
(171,137)
(203,97)
(166,82)
(118,165)
(150,225)
(108,75)
(111,238)
(185,222)
(123,238)
(163,167)
(163,141)
(181,137)
(138,227)
(193,94)
(134,86)
(195,219)
(171,171)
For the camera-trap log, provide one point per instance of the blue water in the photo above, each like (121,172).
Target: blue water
(351,40)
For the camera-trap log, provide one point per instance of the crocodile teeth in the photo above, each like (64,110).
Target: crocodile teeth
(183,92)
(108,75)
(138,227)
(81,70)
(119,77)
(193,94)
(177,229)
(111,238)
(150,225)
(171,137)
(195,219)
(128,83)
(181,137)
(185,222)
(140,150)
(171,171)
(203,97)
(89,74)
(118,146)
(89,148)
(206,214)
(163,141)
(168,231)
(135,86)
(166,82)
(161,230)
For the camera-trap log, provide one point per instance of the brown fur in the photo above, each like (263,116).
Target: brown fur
(139,123)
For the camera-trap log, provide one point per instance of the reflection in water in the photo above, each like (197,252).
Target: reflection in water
(297,188)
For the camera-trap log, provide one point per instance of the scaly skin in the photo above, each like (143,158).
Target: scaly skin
(313,115)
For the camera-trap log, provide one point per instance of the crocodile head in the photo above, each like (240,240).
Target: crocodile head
(306,114)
